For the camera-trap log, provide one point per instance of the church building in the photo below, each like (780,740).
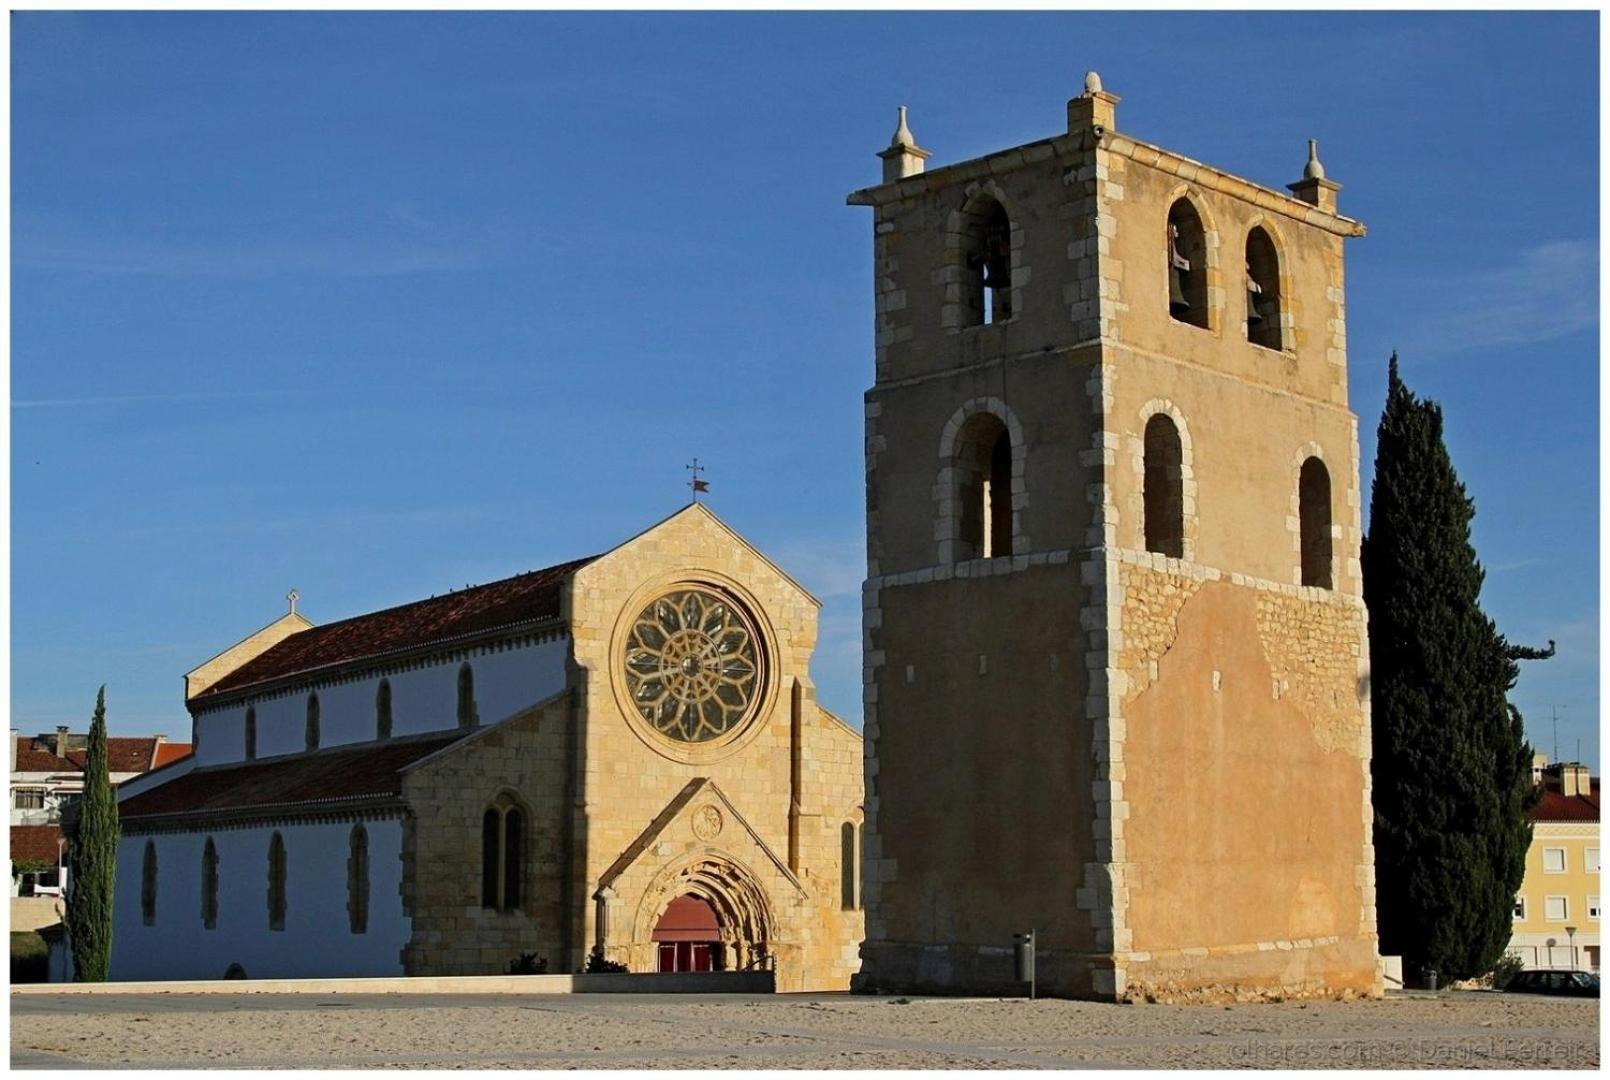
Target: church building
(617,757)
(1115,658)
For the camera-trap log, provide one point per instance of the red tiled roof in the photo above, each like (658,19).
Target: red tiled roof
(168,753)
(35,842)
(123,755)
(364,772)
(519,599)
(1556,806)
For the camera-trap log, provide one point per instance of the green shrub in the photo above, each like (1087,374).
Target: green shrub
(597,965)
(528,963)
(30,957)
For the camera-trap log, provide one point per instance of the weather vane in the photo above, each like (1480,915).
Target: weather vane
(695,483)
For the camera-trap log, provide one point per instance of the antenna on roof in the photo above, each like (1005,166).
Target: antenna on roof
(292,596)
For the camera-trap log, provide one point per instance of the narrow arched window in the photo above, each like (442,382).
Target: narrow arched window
(502,855)
(513,833)
(1187,265)
(311,733)
(1163,484)
(848,867)
(209,886)
(276,883)
(986,236)
(383,709)
(251,732)
(358,879)
(982,471)
(1264,307)
(466,695)
(148,885)
(1313,515)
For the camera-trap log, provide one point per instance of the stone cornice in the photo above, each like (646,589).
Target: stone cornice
(337,811)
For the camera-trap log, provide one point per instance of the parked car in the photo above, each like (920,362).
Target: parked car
(1572,983)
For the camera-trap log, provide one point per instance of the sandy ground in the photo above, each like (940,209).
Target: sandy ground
(814,1031)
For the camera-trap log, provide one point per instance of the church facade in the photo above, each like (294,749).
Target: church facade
(1115,657)
(619,757)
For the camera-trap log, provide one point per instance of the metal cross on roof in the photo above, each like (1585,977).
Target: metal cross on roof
(695,483)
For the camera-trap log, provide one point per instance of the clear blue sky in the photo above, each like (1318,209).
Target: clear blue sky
(379,305)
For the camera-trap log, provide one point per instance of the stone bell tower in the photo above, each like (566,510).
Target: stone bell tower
(1115,656)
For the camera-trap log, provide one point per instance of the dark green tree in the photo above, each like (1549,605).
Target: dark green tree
(1451,767)
(92,860)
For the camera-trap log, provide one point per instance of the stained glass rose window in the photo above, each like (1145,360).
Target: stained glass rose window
(692,665)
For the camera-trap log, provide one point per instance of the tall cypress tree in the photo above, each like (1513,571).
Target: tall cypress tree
(1451,767)
(92,860)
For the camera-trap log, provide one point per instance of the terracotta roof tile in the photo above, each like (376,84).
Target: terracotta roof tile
(35,842)
(519,599)
(168,753)
(124,754)
(1556,806)
(362,772)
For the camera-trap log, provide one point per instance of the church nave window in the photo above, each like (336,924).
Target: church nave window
(209,886)
(311,732)
(276,883)
(251,732)
(148,885)
(466,696)
(502,835)
(358,879)
(383,709)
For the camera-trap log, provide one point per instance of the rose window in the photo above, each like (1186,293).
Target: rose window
(692,665)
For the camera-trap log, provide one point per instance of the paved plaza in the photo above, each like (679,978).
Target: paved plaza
(823,1031)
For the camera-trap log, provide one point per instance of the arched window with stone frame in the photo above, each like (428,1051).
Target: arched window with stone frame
(276,882)
(1186,265)
(1163,487)
(1265,304)
(310,734)
(849,867)
(383,709)
(209,885)
(358,879)
(1314,523)
(981,468)
(467,714)
(148,885)
(986,262)
(251,732)
(502,854)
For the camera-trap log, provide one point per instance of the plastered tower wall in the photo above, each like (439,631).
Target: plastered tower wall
(1186,812)
(979,769)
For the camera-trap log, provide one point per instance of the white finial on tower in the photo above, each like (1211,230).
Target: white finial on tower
(1092,82)
(902,133)
(903,157)
(292,596)
(1313,170)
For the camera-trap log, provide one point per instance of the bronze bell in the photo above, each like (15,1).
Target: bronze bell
(1254,299)
(1178,265)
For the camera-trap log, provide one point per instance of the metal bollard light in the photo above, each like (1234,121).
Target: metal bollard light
(1024,954)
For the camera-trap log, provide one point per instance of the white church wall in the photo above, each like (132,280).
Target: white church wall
(422,700)
(317,940)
